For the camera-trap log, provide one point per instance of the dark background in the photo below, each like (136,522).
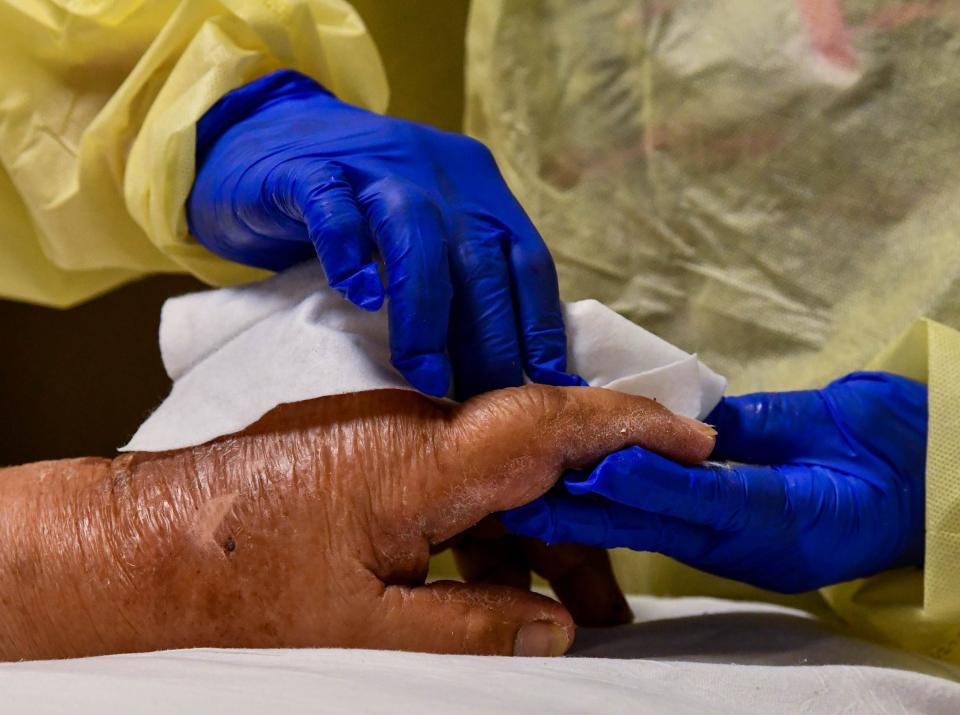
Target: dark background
(80,381)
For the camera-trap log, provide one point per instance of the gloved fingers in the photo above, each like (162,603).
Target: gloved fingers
(341,236)
(483,342)
(537,296)
(583,579)
(227,214)
(505,448)
(412,236)
(771,427)
(722,498)
(477,619)
(561,518)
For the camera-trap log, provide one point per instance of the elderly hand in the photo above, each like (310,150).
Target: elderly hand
(830,488)
(285,170)
(313,527)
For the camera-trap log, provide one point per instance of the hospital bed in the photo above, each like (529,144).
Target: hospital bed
(683,655)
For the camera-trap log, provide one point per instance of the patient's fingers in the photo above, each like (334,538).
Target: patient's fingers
(506,448)
(580,576)
(490,554)
(450,617)
(583,580)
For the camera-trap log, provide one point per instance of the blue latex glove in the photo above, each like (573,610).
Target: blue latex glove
(831,488)
(286,171)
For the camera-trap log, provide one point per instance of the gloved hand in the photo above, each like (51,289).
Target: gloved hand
(831,488)
(285,170)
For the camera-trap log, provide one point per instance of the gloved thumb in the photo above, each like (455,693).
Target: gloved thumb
(769,427)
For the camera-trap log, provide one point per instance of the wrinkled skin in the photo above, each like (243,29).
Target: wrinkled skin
(313,527)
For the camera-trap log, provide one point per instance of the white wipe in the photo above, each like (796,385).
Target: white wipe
(236,353)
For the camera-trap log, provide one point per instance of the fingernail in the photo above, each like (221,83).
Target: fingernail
(699,426)
(541,639)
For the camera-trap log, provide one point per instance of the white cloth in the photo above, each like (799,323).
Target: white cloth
(691,655)
(236,353)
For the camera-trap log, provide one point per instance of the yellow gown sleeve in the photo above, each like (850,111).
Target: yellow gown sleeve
(98,104)
(912,608)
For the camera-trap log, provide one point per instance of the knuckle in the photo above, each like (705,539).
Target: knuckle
(410,135)
(525,407)
(401,199)
(542,404)
(475,150)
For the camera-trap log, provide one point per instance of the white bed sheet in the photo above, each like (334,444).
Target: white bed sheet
(690,655)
